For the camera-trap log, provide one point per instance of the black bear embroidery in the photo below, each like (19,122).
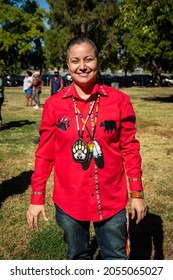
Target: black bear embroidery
(63,123)
(109,126)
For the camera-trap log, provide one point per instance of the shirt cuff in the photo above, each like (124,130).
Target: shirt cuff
(135,184)
(37,199)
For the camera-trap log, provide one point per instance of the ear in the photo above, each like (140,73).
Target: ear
(67,63)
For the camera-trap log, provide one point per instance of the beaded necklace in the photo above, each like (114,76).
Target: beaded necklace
(81,151)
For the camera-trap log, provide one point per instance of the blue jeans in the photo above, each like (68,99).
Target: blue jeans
(111,236)
(28,91)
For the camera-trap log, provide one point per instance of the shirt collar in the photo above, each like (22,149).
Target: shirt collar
(71,91)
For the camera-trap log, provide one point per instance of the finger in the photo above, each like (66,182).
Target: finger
(30,223)
(140,215)
(44,215)
(29,220)
(133,213)
(139,218)
(35,222)
(146,210)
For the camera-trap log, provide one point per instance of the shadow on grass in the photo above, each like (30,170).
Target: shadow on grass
(167,99)
(15,185)
(14,124)
(146,239)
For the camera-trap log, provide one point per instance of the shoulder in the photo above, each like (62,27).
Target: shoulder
(120,100)
(115,93)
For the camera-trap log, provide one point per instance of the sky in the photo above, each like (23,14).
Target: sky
(43,4)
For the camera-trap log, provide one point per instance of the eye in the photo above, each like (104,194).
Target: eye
(75,61)
(88,59)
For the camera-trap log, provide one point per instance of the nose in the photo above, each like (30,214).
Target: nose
(82,65)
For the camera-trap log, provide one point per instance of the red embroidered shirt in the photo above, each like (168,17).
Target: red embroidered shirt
(94,194)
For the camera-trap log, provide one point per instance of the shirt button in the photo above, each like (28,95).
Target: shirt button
(90,175)
(87,136)
(92,194)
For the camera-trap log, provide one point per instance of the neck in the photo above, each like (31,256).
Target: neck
(84,92)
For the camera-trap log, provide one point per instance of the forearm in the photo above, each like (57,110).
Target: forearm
(39,178)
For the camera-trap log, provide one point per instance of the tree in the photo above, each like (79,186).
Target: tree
(21,32)
(93,18)
(147,33)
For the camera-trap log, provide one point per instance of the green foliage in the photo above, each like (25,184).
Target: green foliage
(90,17)
(55,40)
(21,26)
(147,32)
(128,33)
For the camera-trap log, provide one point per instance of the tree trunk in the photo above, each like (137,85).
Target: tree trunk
(156,72)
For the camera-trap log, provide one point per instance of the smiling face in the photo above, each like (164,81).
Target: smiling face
(83,64)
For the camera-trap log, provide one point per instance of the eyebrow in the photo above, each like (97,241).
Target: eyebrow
(89,55)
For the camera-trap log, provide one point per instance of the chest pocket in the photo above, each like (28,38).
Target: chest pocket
(108,127)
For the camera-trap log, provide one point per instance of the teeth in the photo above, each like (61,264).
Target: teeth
(83,74)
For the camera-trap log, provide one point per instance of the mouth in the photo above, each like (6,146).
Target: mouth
(83,74)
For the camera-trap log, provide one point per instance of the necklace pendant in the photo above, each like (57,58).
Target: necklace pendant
(80,150)
(98,155)
(86,164)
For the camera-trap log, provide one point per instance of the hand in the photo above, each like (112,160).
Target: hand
(139,208)
(33,215)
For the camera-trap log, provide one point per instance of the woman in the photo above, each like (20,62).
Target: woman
(27,87)
(88,137)
(37,83)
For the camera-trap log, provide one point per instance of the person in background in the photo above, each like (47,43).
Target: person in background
(37,84)
(1,96)
(27,87)
(88,130)
(56,83)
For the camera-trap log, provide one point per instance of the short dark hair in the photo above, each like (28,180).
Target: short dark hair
(79,40)
(56,73)
(29,73)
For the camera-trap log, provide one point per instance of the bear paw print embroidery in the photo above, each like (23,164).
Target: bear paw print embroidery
(80,151)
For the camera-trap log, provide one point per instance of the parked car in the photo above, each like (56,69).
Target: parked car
(125,81)
(46,79)
(19,80)
(9,81)
(107,79)
(167,81)
(116,80)
(67,79)
(142,79)
(139,69)
(13,80)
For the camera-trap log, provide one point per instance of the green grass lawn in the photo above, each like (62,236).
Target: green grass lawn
(152,238)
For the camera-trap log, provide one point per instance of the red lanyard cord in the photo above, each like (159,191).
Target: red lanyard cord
(78,114)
